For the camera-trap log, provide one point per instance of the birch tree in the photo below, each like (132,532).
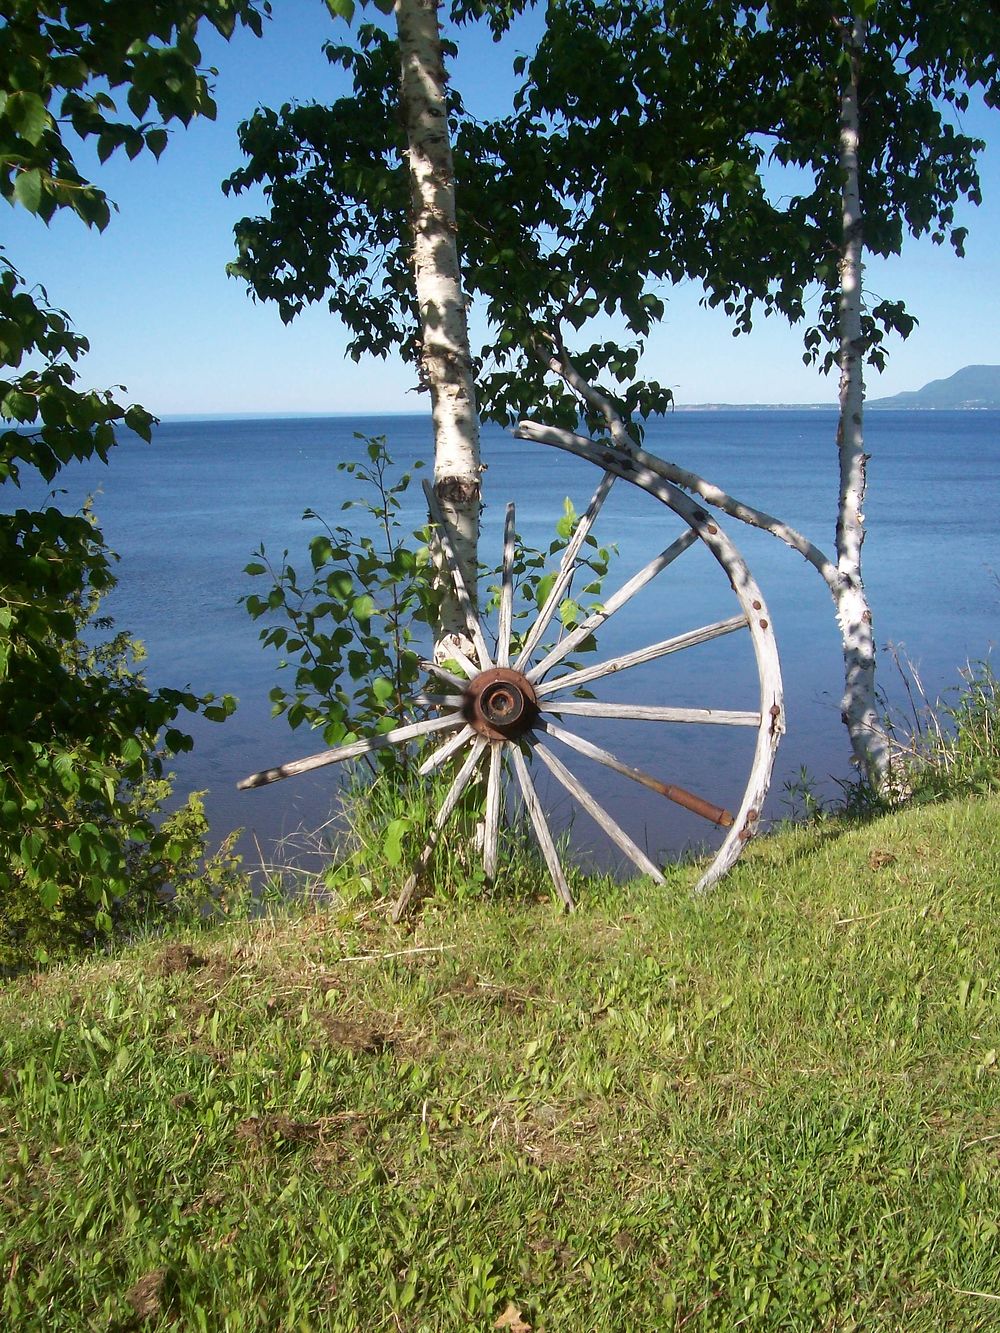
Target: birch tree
(445,355)
(596,194)
(859,707)
(382,249)
(858,98)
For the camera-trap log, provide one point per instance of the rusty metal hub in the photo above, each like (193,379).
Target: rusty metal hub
(500,704)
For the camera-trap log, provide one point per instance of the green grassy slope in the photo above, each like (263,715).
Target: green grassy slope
(776,1108)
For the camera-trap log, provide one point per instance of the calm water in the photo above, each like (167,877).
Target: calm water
(186,512)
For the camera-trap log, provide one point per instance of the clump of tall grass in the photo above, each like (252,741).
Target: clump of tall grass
(949,745)
(385,819)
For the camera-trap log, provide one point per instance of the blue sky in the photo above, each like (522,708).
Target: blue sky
(163,319)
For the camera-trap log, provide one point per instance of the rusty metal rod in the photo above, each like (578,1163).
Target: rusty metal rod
(696,804)
(716,814)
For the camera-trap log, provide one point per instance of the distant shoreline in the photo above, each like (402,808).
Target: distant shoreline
(876,405)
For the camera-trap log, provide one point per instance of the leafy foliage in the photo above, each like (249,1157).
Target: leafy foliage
(950,746)
(595,194)
(79,726)
(62,61)
(357,626)
(354,633)
(82,780)
(353,625)
(82,736)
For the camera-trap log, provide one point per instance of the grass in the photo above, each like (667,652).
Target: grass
(776,1107)
(951,744)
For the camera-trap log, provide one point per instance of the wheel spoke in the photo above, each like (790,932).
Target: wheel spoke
(461,591)
(716,814)
(444,674)
(652,712)
(614,664)
(439,700)
(597,812)
(491,826)
(544,837)
(455,654)
(506,617)
(440,819)
(624,594)
(566,571)
(444,752)
(352,751)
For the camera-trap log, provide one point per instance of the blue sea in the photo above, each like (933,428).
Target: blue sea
(186,512)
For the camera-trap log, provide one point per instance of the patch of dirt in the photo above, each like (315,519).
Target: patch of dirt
(260,1130)
(331,1135)
(211,1199)
(553,1248)
(327,983)
(146,1297)
(181,958)
(178,958)
(545,1136)
(878,859)
(363,1038)
(220,969)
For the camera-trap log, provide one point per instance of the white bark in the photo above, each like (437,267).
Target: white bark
(446,359)
(859,707)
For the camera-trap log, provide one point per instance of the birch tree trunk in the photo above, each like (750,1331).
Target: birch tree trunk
(446,360)
(858,705)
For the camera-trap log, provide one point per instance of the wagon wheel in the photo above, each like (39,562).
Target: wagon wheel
(505,704)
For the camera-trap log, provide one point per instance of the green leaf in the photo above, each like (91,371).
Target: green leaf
(566,525)
(26,112)
(383,689)
(156,141)
(320,551)
(49,895)
(28,189)
(545,586)
(392,847)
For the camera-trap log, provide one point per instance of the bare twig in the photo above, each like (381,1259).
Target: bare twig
(399,953)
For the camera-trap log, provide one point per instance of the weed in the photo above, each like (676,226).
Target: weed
(952,744)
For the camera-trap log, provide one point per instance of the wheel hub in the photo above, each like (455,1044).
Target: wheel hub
(500,704)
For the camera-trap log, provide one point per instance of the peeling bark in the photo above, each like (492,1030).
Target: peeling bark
(446,359)
(858,708)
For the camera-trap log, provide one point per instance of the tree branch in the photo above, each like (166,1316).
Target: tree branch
(560,363)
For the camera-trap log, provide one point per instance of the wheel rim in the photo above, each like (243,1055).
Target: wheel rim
(501,707)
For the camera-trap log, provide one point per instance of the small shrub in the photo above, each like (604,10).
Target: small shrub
(352,635)
(82,779)
(952,745)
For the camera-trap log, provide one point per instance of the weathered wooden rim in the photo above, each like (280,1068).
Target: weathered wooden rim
(772,714)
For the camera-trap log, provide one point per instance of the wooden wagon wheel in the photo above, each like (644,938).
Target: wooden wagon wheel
(503,706)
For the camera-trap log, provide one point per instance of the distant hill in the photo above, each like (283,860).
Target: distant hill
(969,388)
